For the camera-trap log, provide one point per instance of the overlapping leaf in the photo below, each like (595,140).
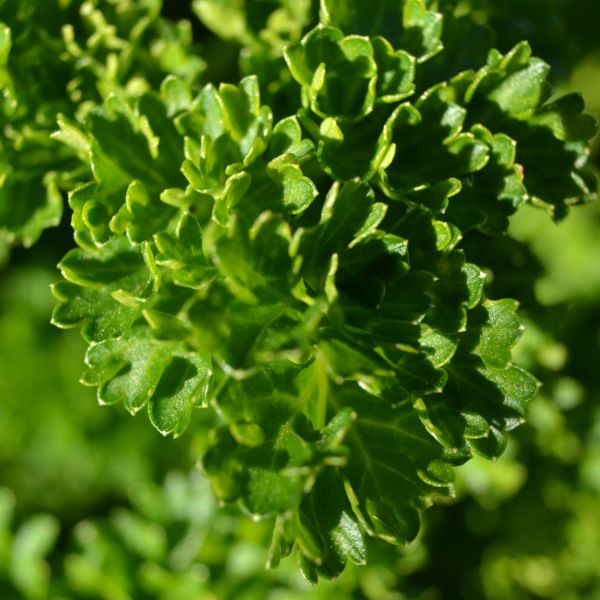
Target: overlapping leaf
(409,24)
(58,57)
(259,32)
(511,95)
(305,280)
(93,282)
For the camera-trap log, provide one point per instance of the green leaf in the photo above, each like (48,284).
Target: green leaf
(511,93)
(338,73)
(29,202)
(327,516)
(126,370)
(390,452)
(136,152)
(287,139)
(434,123)
(245,119)
(500,333)
(139,371)
(524,90)
(182,253)
(409,24)
(395,71)
(422,30)
(266,486)
(495,192)
(87,299)
(348,216)
(350,150)
(566,119)
(182,385)
(297,191)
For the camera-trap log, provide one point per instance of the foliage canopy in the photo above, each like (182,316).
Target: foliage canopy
(302,266)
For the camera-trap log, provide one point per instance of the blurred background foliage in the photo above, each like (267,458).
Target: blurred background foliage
(95,504)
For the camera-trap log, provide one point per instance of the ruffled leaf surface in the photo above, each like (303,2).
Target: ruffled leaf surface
(303,277)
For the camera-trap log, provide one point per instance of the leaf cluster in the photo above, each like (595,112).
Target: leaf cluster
(304,275)
(61,57)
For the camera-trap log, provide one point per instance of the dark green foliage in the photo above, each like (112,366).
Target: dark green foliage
(303,270)
(60,57)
